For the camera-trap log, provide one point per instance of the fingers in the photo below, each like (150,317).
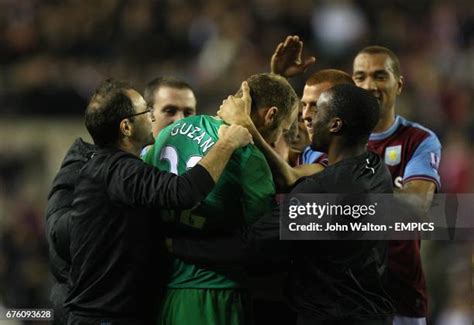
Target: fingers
(292,47)
(224,101)
(239,135)
(245,134)
(291,41)
(246,92)
(300,52)
(279,49)
(222,130)
(231,102)
(309,61)
(228,111)
(219,112)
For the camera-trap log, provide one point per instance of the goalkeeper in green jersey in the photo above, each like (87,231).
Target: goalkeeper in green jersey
(196,295)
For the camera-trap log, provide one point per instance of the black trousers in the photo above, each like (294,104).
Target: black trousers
(74,319)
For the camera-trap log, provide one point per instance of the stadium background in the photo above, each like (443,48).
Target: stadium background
(54,53)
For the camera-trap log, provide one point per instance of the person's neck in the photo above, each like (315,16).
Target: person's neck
(127,146)
(339,152)
(385,122)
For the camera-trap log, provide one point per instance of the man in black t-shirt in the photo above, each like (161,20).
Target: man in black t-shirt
(331,282)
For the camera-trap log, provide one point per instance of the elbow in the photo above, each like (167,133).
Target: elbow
(284,183)
(188,203)
(186,199)
(189,195)
(193,187)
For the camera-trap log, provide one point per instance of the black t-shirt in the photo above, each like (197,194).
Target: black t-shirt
(342,279)
(328,279)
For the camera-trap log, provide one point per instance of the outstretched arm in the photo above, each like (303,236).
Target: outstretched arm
(135,183)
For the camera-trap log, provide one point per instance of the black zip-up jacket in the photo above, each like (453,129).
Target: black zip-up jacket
(116,247)
(58,210)
(58,221)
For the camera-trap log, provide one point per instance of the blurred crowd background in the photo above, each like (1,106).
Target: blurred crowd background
(53,53)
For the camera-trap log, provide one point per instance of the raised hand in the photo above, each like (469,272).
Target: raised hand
(286,60)
(236,110)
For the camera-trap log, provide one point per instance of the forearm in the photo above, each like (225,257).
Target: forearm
(307,170)
(418,195)
(217,158)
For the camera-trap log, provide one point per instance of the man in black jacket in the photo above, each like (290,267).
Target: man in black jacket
(173,93)
(115,229)
(58,225)
(331,282)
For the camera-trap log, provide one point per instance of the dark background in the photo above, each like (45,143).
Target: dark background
(54,53)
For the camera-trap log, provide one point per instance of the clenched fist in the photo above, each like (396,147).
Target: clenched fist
(236,136)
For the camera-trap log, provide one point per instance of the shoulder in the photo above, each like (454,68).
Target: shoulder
(110,158)
(250,156)
(198,128)
(416,132)
(309,184)
(358,174)
(80,151)
(203,121)
(323,181)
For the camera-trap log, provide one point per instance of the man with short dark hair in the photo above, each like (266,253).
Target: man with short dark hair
(115,228)
(331,282)
(411,151)
(111,117)
(317,83)
(171,99)
(412,154)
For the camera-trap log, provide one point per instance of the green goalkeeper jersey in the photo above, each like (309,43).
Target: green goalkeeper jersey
(243,193)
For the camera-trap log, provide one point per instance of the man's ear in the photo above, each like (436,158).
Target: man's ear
(335,125)
(126,127)
(270,115)
(400,85)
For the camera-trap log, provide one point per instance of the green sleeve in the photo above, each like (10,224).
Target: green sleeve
(257,187)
